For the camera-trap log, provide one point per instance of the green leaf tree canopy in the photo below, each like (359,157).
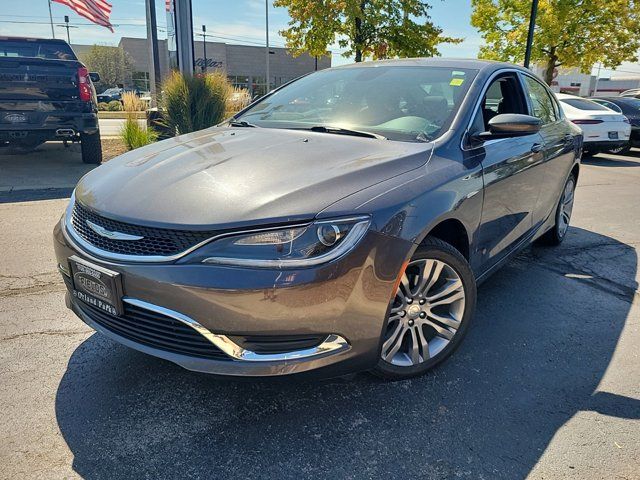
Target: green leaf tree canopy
(569,33)
(367,28)
(112,63)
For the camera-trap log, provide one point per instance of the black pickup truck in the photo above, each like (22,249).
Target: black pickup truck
(46,93)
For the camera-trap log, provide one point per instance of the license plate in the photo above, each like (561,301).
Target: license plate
(613,135)
(96,286)
(15,118)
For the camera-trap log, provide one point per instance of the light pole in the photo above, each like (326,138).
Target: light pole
(532,26)
(266,9)
(203,67)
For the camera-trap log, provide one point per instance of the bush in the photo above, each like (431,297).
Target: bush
(134,135)
(132,102)
(194,103)
(103,106)
(114,106)
(238,99)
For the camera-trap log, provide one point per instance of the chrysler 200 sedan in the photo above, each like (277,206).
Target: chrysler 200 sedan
(339,224)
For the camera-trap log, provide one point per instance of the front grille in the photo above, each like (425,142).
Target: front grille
(155,330)
(156,241)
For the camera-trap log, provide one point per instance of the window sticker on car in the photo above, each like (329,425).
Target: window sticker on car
(456,82)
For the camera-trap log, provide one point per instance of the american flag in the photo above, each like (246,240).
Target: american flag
(96,11)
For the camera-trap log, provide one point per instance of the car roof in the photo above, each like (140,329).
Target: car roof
(469,63)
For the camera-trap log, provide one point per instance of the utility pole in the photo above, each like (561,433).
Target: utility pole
(595,89)
(266,9)
(532,26)
(53,33)
(152,47)
(204,47)
(66,22)
(67,26)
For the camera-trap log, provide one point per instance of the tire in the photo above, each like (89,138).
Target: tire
(445,338)
(91,148)
(620,150)
(558,232)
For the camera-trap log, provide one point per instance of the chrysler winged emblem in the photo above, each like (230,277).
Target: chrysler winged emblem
(110,234)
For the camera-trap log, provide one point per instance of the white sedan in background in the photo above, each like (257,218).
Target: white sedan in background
(604,129)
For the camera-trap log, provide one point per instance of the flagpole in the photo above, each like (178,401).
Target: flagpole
(53,33)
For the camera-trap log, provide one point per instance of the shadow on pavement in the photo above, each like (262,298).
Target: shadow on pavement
(610,161)
(50,171)
(543,337)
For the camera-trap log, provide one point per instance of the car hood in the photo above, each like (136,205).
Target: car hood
(231,177)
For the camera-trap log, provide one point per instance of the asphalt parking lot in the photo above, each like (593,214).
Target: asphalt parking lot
(546,385)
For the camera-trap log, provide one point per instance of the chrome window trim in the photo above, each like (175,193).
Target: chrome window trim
(332,344)
(475,110)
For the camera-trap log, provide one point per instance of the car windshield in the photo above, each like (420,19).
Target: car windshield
(51,50)
(399,103)
(111,91)
(582,104)
(630,102)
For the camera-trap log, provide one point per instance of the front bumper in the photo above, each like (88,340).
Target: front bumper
(345,302)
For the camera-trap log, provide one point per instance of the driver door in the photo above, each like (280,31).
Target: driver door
(512,173)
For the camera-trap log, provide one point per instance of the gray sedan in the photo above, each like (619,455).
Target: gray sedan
(339,224)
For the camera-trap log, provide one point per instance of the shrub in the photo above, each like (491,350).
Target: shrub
(103,106)
(132,102)
(238,99)
(134,135)
(114,106)
(194,103)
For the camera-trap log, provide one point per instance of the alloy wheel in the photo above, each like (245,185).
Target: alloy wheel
(566,207)
(426,313)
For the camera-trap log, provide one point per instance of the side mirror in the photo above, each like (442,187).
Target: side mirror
(514,124)
(94,76)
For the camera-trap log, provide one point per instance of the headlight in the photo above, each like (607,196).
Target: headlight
(293,247)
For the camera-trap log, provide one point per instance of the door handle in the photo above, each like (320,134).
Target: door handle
(536,147)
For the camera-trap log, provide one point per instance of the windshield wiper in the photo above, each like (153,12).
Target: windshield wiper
(241,123)
(345,131)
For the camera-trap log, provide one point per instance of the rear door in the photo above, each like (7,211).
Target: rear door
(511,173)
(559,146)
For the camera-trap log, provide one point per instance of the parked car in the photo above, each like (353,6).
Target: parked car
(604,129)
(320,233)
(634,92)
(630,108)
(115,93)
(47,94)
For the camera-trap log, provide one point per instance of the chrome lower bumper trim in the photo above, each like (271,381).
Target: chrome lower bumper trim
(332,344)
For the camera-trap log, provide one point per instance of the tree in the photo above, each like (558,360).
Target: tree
(367,28)
(112,63)
(569,33)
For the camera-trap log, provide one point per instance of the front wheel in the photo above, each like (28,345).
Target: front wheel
(433,306)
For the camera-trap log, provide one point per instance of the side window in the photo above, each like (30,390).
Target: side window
(541,102)
(504,95)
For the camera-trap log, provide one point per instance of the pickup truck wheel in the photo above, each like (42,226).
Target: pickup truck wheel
(91,148)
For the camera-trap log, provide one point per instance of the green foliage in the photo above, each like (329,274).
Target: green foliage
(114,106)
(103,106)
(134,136)
(112,63)
(569,33)
(193,103)
(367,28)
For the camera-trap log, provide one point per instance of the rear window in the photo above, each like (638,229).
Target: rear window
(36,49)
(583,104)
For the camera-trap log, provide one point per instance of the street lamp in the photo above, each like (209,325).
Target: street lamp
(532,26)
(204,47)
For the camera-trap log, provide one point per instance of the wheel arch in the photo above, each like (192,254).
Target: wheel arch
(451,231)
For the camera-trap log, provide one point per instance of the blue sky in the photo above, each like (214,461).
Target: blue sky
(236,21)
